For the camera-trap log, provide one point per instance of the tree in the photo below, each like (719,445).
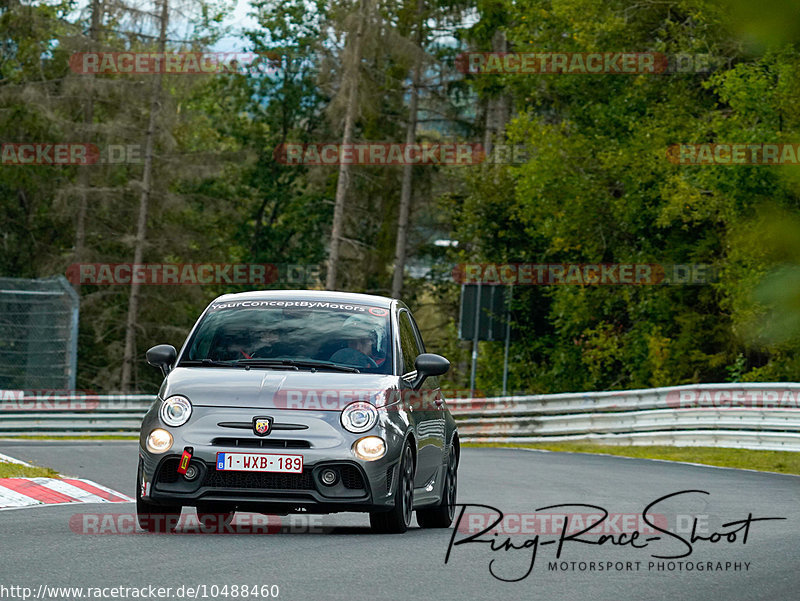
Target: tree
(144,201)
(350,86)
(408,169)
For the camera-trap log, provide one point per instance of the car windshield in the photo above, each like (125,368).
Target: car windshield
(303,334)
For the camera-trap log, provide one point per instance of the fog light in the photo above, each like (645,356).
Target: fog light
(369,448)
(328,477)
(159,441)
(191,472)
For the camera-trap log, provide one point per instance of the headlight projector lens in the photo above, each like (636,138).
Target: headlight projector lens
(176,411)
(359,417)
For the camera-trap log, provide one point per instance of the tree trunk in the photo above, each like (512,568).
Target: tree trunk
(350,79)
(144,199)
(83,176)
(497,109)
(406,185)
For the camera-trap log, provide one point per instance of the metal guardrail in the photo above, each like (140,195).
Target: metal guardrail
(762,416)
(751,415)
(73,415)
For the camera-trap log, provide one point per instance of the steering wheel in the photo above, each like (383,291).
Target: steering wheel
(353,357)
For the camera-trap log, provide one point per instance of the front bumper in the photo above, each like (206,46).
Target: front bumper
(360,486)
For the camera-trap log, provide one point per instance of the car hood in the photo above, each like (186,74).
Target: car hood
(282,389)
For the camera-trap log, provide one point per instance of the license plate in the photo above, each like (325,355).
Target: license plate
(259,462)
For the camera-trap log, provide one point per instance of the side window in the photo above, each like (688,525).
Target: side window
(431,383)
(420,342)
(408,342)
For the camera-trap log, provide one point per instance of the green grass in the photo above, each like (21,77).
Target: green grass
(784,462)
(12,470)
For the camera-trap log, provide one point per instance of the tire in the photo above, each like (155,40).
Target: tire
(398,519)
(154,518)
(442,515)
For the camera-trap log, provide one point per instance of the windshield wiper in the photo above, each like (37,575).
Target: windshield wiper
(296,363)
(206,363)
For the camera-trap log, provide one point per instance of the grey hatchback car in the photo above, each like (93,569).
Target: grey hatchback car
(299,402)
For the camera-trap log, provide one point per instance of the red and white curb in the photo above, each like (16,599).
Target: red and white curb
(30,492)
(27,492)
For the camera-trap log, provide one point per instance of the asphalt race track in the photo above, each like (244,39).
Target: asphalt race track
(338,558)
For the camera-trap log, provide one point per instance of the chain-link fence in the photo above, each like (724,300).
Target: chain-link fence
(38,334)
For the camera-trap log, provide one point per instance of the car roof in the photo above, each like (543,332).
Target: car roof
(309,295)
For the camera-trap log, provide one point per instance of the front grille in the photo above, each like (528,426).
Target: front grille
(352,478)
(169,471)
(262,443)
(265,480)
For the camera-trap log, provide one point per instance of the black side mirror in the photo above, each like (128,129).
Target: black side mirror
(427,365)
(162,356)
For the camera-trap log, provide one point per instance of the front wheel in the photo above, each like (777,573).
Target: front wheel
(154,518)
(398,519)
(442,515)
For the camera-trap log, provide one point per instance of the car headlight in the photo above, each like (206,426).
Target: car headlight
(359,416)
(159,441)
(176,411)
(370,448)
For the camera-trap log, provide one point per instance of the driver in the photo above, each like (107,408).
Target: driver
(362,340)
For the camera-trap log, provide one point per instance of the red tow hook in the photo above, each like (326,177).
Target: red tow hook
(185,459)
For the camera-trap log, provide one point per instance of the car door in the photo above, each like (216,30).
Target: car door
(427,417)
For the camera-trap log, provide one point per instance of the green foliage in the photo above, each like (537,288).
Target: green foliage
(598,188)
